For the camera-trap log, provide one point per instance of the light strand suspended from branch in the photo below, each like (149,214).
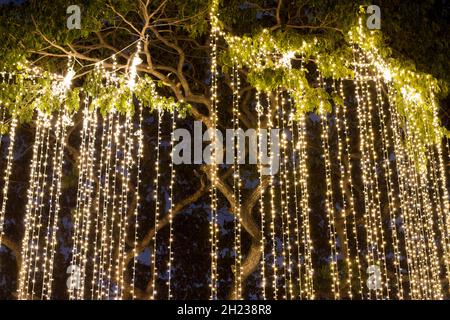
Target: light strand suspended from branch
(238,157)
(8,170)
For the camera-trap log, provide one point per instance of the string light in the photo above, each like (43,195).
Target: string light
(420,178)
(389,185)
(344,208)
(349,182)
(374,181)
(404,198)
(259,111)
(105,249)
(237,156)
(140,141)
(7,172)
(305,209)
(284,274)
(123,205)
(285,201)
(370,214)
(214,231)
(272,203)
(172,204)
(61,124)
(99,218)
(329,200)
(157,205)
(307,247)
(23,286)
(34,232)
(298,235)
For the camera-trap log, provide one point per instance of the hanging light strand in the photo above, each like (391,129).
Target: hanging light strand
(285,196)
(106,194)
(389,186)
(259,110)
(295,146)
(272,201)
(345,205)
(157,205)
(36,233)
(215,31)
(349,181)
(373,174)
(237,157)
(140,142)
(329,199)
(172,205)
(54,206)
(29,210)
(8,171)
(305,209)
(361,94)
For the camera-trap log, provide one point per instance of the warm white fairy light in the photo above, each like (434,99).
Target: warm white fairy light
(172,205)
(98,225)
(92,162)
(140,155)
(329,199)
(237,156)
(115,222)
(306,271)
(157,204)
(65,123)
(442,180)
(370,213)
(129,164)
(108,195)
(35,276)
(123,206)
(2,119)
(121,182)
(111,200)
(29,210)
(285,196)
(52,192)
(57,155)
(86,211)
(349,182)
(104,238)
(214,230)
(259,111)
(7,172)
(420,227)
(393,210)
(426,216)
(305,208)
(81,175)
(344,208)
(99,220)
(297,234)
(404,199)
(272,204)
(439,203)
(282,202)
(422,195)
(421,255)
(373,178)
(85,201)
(32,267)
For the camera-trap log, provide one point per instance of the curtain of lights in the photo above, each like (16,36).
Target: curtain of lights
(382,221)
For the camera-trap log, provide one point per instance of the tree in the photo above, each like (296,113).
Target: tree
(175,37)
